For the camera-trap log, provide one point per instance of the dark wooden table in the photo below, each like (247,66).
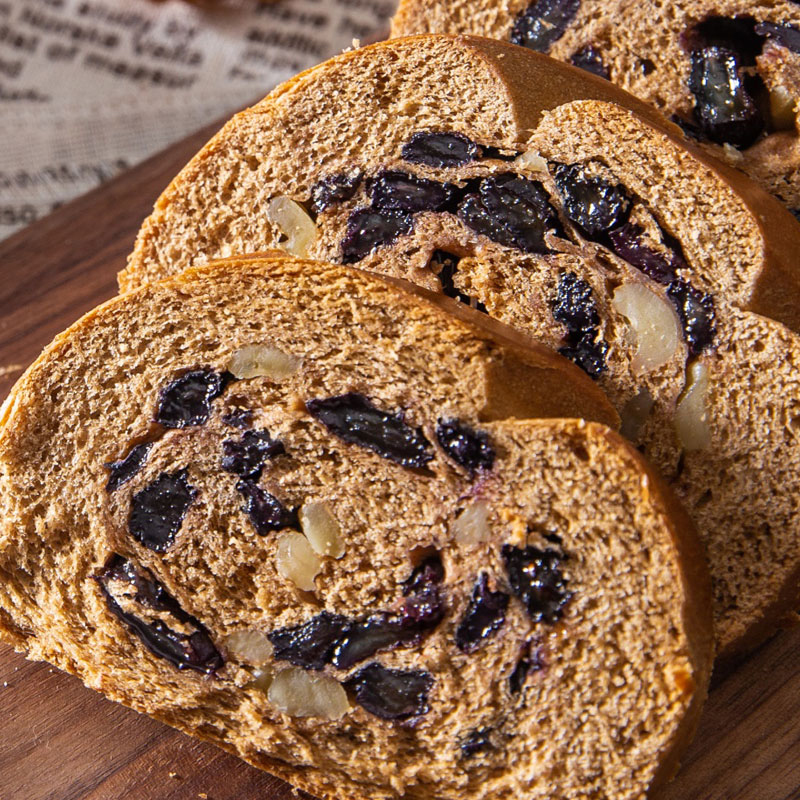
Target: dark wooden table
(61,741)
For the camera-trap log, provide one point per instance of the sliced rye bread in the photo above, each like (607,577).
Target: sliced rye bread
(275,504)
(718,413)
(727,70)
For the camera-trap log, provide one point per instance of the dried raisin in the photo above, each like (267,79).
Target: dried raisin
(725,110)
(122,471)
(627,242)
(440,149)
(310,645)
(485,615)
(158,510)
(510,210)
(588,59)
(266,512)
(536,579)
(187,401)
(543,23)
(467,447)
(185,650)
(369,229)
(391,694)
(247,457)
(696,312)
(574,306)
(355,420)
(594,204)
(730,97)
(333,189)
(363,638)
(403,192)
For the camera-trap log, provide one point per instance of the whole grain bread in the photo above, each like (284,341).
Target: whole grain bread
(727,70)
(713,257)
(275,504)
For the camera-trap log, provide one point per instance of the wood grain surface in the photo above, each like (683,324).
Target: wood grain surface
(61,741)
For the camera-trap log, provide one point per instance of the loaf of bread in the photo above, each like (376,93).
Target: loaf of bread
(728,71)
(565,208)
(277,504)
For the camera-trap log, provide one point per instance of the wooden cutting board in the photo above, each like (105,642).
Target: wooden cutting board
(61,741)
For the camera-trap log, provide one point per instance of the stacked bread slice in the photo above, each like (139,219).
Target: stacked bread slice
(359,528)
(343,516)
(298,511)
(728,71)
(561,206)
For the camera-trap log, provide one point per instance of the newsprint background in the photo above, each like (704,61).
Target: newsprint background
(90,88)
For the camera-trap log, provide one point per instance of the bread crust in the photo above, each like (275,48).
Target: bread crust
(583,396)
(697,611)
(775,292)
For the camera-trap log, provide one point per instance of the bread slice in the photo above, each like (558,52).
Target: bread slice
(718,414)
(727,70)
(276,504)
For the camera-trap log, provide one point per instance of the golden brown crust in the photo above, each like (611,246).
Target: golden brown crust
(570,394)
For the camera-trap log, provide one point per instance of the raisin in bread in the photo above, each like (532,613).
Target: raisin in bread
(569,215)
(275,504)
(728,71)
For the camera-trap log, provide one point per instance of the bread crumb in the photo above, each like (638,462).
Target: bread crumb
(518,535)
(732,155)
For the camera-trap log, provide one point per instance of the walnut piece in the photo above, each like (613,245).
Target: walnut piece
(322,530)
(691,414)
(782,109)
(250,647)
(295,224)
(654,326)
(471,526)
(263,360)
(530,160)
(296,561)
(300,694)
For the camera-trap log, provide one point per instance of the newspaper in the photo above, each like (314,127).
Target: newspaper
(89,88)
